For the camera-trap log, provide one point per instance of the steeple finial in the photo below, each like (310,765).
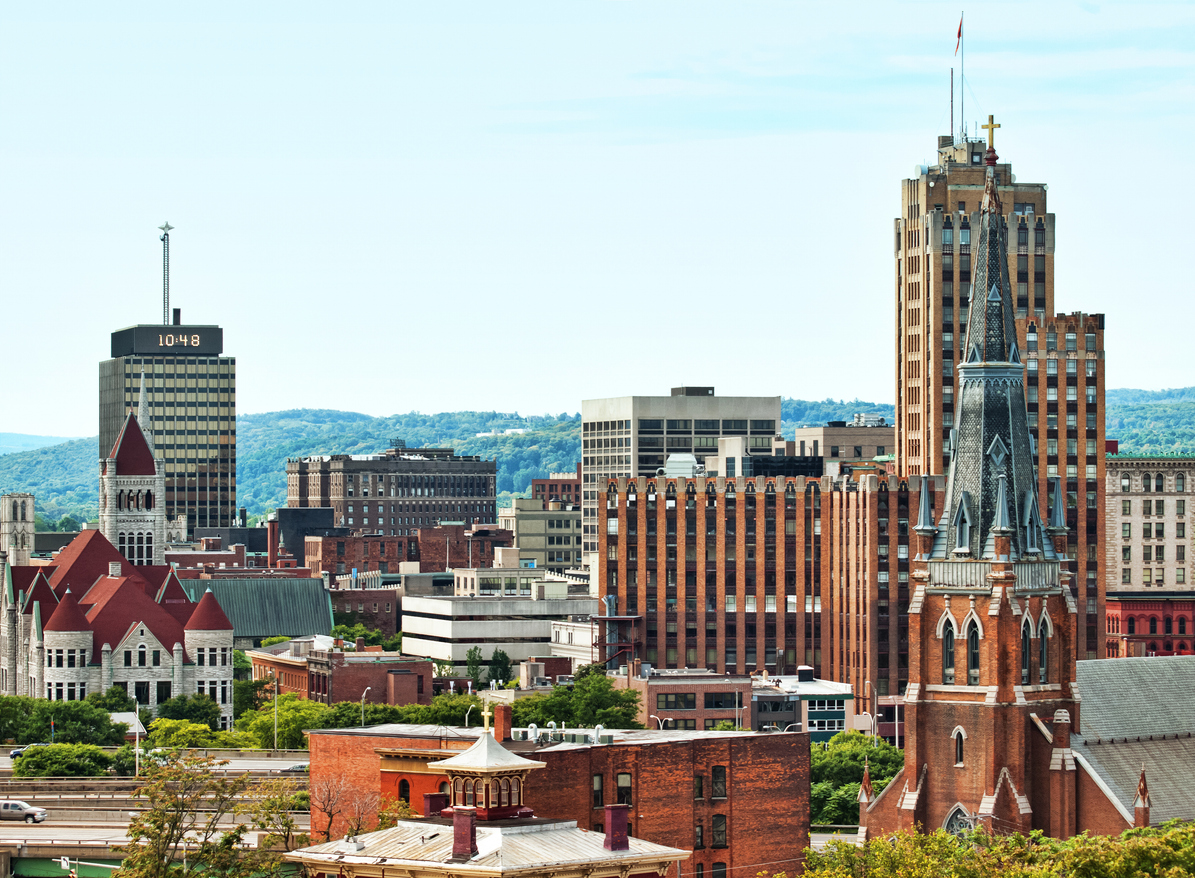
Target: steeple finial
(1057,509)
(925,519)
(1002,523)
(1142,798)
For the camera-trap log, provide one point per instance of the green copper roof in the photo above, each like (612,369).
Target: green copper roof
(261,607)
(1161,455)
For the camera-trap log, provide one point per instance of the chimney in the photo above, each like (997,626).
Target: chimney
(360,644)
(503,720)
(434,803)
(616,828)
(464,833)
(114,569)
(1062,729)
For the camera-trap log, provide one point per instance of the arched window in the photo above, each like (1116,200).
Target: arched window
(958,823)
(149,548)
(14,510)
(516,792)
(468,793)
(973,654)
(1180,483)
(495,793)
(141,656)
(404,790)
(1043,651)
(1153,624)
(149,499)
(479,792)
(1160,483)
(1132,625)
(504,799)
(458,793)
(1182,624)
(1025,647)
(120,544)
(1168,625)
(24,511)
(948,656)
(444,787)
(959,737)
(119,502)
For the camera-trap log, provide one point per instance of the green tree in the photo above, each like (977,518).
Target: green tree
(592,700)
(124,761)
(186,802)
(14,712)
(350,633)
(75,722)
(62,760)
(842,759)
(194,707)
(500,666)
(276,639)
(473,666)
(115,699)
(294,715)
(585,670)
(174,733)
(248,695)
(271,810)
(242,668)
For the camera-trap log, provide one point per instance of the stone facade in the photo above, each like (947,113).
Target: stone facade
(17,514)
(132,485)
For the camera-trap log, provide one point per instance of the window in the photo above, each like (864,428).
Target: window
(128,658)
(1126,508)
(958,747)
(623,782)
(698,835)
(157,658)
(718,825)
(718,785)
(973,655)
(719,870)
(698,786)
(1126,530)
(1025,646)
(1180,483)
(598,799)
(948,657)
(141,656)
(1043,649)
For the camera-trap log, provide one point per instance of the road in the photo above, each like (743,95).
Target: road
(237,763)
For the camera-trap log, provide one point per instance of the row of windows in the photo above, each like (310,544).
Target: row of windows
(972,654)
(1152,625)
(1153,576)
(1154,507)
(73,658)
(1153,553)
(1157,482)
(1154,530)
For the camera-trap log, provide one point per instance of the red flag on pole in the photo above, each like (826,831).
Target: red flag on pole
(960,35)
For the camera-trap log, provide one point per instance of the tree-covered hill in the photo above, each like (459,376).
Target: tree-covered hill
(63,476)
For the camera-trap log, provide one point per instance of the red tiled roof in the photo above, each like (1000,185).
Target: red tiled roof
(40,591)
(22,578)
(84,560)
(67,616)
(120,608)
(208,616)
(175,601)
(133,457)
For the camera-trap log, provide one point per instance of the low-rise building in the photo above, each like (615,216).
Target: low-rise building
(821,707)
(858,440)
(453,544)
(444,629)
(261,607)
(565,487)
(546,534)
(575,641)
(687,698)
(372,675)
(339,555)
(378,609)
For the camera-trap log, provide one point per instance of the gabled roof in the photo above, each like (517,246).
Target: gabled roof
(171,597)
(124,606)
(22,577)
(40,591)
(208,616)
(67,616)
(1111,690)
(259,607)
(133,457)
(84,560)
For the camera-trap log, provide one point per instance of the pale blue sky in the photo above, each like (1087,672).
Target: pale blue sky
(516,206)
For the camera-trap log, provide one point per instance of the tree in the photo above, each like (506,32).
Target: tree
(195,708)
(248,695)
(186,803)
(115,699)
(271,810)
(392,811)
(473,668)
(14,712)
(294,715)
(444,668)
(500,666)
(585,670)
(272,641)
(329,797)
(591,701)
(242,668)
(75,722)
(174,733)
(62,760)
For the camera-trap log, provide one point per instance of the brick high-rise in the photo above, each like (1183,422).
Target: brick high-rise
(1063,353)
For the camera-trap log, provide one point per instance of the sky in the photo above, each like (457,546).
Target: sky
(399,207)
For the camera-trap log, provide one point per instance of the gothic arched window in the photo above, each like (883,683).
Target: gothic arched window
(958,823)
(1043,651)
(948,656)
(1180,483)
(1025,647)
(1160,483)
(404,790)
(149,499)
(24,511)
(973,654)
(959,737)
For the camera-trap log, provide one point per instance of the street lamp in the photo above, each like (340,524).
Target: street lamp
(363,694)
(657,719)
(275,676)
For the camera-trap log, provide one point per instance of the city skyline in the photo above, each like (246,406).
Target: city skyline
(634,168)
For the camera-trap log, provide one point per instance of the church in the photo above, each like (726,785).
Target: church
(106,610)
(1005,731)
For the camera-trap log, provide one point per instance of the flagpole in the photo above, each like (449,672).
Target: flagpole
(962,75)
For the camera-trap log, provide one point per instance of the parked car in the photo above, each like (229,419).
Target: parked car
(17,752)
(15,809)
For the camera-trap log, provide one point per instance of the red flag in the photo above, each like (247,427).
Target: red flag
(960,35)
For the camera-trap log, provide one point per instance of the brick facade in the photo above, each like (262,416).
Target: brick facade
(338,555)
(455,545)
(561,486)
(378,609)
(344,676)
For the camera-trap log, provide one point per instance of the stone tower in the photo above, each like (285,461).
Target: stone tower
(132,487)
(16,528)
(991,619)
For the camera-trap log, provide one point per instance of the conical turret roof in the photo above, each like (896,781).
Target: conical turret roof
(67,616)
(208,615)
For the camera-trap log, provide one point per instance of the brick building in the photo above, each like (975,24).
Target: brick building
(1061,354)
(454,544)
(1151,593)
(378,609)
(706,792)
(337,555)
(565,487)
(390,677)
(688,698)
(395,492)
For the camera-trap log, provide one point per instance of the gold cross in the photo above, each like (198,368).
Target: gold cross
(486,713)
(991,130)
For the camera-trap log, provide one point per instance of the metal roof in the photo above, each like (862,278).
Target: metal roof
(510,846)
(1169,765)
(1112,692)
(486,755)
(266,607)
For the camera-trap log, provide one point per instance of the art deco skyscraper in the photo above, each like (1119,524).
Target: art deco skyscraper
(1063,353)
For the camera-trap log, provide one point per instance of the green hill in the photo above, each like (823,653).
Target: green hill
(63,476)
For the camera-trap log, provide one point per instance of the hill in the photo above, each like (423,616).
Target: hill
(63,476)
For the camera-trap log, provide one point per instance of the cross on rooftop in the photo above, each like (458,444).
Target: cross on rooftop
(991,130)
(486,713)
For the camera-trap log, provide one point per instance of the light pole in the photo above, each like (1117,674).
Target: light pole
(363,694)
(657,719)
(868,694)
(275,676)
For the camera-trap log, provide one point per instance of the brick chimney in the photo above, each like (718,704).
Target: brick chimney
(434,803)
(616,828)
(464,833)
(360,644)
(503,720)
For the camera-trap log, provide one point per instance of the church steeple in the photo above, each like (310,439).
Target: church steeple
(992,485)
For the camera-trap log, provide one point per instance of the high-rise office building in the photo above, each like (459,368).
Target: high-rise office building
(629,436)
(1063,353)
(191,396)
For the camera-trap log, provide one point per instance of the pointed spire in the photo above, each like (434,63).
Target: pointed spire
(1002,523)
(925,520)
(866,794)
(1141,800)
(143,413)
(1057,507)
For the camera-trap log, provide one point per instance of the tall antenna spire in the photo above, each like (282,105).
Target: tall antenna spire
(165,239)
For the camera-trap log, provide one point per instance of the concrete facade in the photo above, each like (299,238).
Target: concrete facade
(547,535)
(843,441)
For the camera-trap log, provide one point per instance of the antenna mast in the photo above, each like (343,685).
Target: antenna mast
(165,239)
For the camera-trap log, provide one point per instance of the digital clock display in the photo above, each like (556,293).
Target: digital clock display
(160,339)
